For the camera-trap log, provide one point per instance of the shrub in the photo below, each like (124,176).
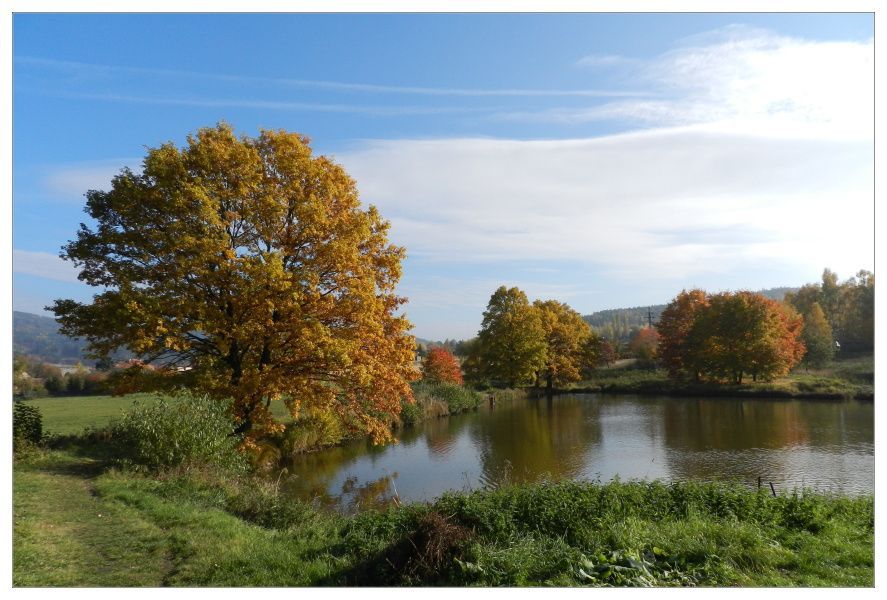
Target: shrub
(410,412)
(456,397)
(316,429)
(185,431)
(27,424)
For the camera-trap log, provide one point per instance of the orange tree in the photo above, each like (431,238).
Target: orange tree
(674,325)
(249,263)
(644,344)
(743,333)
(440,366)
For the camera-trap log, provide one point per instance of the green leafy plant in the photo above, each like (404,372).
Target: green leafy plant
(185,431)
(27,424)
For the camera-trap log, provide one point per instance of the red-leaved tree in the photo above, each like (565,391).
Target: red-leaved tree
(440,366)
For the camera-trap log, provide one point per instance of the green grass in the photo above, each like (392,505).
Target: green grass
(844,378)
(72,414)
(81,522)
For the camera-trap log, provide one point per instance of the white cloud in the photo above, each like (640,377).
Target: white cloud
(595,61)
(738,77)
(72,181)
(43,264)
(669,203)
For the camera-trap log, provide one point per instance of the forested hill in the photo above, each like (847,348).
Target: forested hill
(619,323)
(39,337)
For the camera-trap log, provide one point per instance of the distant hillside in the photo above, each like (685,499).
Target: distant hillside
(39,336)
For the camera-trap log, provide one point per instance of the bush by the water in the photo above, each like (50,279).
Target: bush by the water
(313,430)
(434,399)
(27,424)
(183,431)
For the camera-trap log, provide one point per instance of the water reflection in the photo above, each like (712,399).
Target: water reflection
(828,445)
(543,438)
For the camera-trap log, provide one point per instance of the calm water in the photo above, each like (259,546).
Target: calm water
(828,446)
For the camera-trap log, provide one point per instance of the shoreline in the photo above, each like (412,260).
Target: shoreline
(700,392)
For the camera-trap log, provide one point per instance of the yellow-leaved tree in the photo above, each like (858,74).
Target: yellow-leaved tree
(246,269)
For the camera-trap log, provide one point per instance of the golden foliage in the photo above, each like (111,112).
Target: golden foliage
(252,262)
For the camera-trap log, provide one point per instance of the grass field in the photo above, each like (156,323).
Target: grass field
(79,521)
(72,414)
(844,378)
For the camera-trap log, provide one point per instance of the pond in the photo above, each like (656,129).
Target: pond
(828,446)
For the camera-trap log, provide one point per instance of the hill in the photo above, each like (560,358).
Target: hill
(39,337)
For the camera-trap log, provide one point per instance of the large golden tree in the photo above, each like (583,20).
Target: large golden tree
(245,268)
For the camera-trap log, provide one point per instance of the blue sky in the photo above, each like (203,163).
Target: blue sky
(602,160)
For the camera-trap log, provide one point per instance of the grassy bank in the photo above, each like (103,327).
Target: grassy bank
(71,415)
(846,378)
(81,521)
(434,400)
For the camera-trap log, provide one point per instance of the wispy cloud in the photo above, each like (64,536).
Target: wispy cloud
(595,61)
(43,264)
(71,181)
(751,77)
(84,71)
(381,111)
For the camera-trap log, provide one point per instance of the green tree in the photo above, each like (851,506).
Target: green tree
(510,347)
(252,262)
(817,338)
(848,307)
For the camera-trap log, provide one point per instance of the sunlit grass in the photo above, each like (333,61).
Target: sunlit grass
(79,522)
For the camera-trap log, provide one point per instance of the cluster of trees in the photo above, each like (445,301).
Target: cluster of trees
(848,308)
(453,346)
(32,378)
(725,336)
(621,327)
(544,342)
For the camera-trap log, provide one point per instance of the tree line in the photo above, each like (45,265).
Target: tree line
(32,377)
(848,307)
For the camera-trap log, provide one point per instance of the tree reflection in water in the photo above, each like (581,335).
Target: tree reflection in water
(547,438)
(824,444)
